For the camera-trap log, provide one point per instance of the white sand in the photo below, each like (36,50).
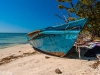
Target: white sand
(37,64)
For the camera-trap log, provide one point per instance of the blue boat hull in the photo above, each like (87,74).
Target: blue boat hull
(77,23)
(56,41)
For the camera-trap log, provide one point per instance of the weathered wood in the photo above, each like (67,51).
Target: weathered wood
(32,33)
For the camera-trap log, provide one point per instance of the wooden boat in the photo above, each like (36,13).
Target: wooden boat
(57,40)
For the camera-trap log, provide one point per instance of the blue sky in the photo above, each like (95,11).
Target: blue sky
(29,15)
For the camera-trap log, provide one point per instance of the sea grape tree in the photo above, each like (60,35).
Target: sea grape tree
(85,9)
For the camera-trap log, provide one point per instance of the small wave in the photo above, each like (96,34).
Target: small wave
(1,44)
(6,45)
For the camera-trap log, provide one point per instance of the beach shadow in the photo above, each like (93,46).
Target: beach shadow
(73,54)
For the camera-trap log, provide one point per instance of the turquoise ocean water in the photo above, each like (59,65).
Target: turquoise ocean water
(11,39)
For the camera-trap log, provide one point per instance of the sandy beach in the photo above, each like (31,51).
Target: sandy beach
(42,64)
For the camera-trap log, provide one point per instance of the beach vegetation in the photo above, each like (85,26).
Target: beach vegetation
(85,9)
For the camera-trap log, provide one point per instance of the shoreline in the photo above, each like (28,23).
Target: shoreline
(15,50)
(12,45)
(42,64)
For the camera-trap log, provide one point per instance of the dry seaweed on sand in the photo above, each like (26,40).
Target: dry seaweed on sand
(13,57)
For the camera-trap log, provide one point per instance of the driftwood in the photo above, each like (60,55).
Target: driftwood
(80,41)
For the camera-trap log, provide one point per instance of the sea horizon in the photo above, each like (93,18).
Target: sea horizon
(14,32)
(12,39)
